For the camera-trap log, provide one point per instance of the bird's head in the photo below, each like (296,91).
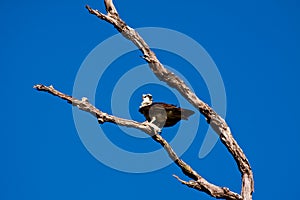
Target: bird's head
(147,100)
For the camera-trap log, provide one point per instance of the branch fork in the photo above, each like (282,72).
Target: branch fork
(217,123)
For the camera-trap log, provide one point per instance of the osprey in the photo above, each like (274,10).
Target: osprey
(162,114)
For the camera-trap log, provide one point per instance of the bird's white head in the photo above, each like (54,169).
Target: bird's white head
(147,100)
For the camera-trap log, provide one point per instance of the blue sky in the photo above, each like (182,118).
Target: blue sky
(255,46)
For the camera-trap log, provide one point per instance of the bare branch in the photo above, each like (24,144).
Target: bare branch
(200,183)
(86,106)
(216,121)
(110,8)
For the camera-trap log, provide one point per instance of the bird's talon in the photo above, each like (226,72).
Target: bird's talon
(153,126)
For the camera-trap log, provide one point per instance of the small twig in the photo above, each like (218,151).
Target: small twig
(213,190)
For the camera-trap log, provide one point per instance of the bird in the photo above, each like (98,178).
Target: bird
(162,114)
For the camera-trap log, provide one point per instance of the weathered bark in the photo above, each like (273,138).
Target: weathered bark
(217,123)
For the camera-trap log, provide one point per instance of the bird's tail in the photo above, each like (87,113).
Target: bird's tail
(185,113)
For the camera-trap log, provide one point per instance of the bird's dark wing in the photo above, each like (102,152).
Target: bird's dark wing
(157,107)
(165,114)
(166,106)
(174,111)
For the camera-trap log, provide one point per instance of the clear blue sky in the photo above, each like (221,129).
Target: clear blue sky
(255,45)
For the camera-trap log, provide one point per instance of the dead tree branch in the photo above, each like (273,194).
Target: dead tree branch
(198,182)
(216,121)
